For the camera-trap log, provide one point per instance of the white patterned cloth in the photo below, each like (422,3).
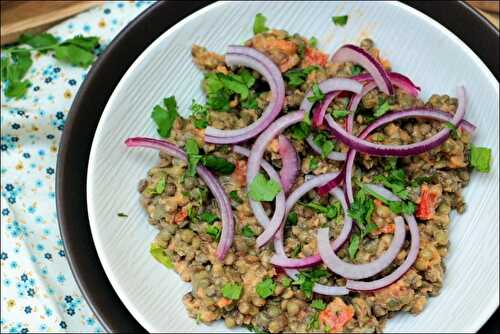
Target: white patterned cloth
(38,292)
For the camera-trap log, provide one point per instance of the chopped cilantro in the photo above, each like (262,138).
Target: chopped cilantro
(247,232)
(199,115)
(160,185)
(318,304)
(213,231)
(218,164)
(340,113)
(159,254)
(165,117)
(232,291)
(43,40)
(317,94)
(208,217)
(296,250)
(306,279)
(193,154)
(340,20)
(313,321)
(453,130)
(262,189)
(323,141)
(301,130)
(353,246)
(234,196)
(259,24)
(292,218)
(330,211)
(356,69)
(313,163)
(265,288)
(296,77)
(286,281)
(313,42)
(382,109)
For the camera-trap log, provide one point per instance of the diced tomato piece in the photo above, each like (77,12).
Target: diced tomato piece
(180,216)
(336,315)
(315,57)
(427,203)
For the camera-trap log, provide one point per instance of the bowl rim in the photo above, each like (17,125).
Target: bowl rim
(67,209)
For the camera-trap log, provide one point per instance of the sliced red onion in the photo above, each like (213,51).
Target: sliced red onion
(256,156)
(353,104)
(249,57)
(382,191)
(359,271)
(226,212)
(364,146)
(397,79)
(308,185)
(401,270)
(328,86)
(290,163)
(327,187)
(337,156)
(320,110)
(256,206)
(355,54)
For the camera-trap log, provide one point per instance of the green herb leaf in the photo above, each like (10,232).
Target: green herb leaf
(262,189)
(313,42)
(323,141)
(330,211)
(306,279)
(296,77)
(234,196)
(208,217)
(213,83)
(247,78)
(218,164)
(265,288)
(340,20)
(356,69)
(43,40)
(259,24)
(199,115)
(382,109)
(286,282)
(235,86)
(301,130)
(318,304)
(86,43)
(73,55)
(122,215)
(17,89)
(292,218)
(337,114)
(160,255)
(296,250)
(232,291)
(193,155)
(313,321)
(247,232)
(214,232)
(218,101)
(453,130)
(353,246)
(21,62)
(165,117)
(313,163)
(160,185)
(317,94)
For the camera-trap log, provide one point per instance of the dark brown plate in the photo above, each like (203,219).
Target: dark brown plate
(93,95)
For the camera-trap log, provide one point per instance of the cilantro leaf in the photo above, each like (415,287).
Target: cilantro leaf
(318,304)
(247,78)
(340,20)
(159,254)
(17,89)
(235,86)
(382,109)
(313,163)
(337,114)
(353,246)
(296,250)
(259,24)
(86,43)
(306,279)
(160,185)
(301,130)
(73,55)
(262,189)
(331,211)
(214,232)
(323,141)
(165,117)
(453,130)
(286,281)
(218,164)
(247,232)
(208,217)
(265,288)
(292,218)
(232,291)
(356,69)
(317,94)
(313,42)
(480,158)
(199,115)
(43,40)
(193,155)
(234,196)
(21,62)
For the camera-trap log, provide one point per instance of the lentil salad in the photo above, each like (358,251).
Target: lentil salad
(242,286)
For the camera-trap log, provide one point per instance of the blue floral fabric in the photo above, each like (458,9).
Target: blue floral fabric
(38,292)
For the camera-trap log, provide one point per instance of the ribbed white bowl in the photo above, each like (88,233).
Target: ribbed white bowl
(416,46)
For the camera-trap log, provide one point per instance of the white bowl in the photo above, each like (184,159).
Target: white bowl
(416,46)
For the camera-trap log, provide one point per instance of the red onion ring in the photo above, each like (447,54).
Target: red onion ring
(320,110)
(337,156)
(359,144)
(359,271)
(249,57)
(256,206)
(355,54)
(210,180)
(353,104)
(400,271)
(397,79)
(328,86)
(253,167)
(290,163)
